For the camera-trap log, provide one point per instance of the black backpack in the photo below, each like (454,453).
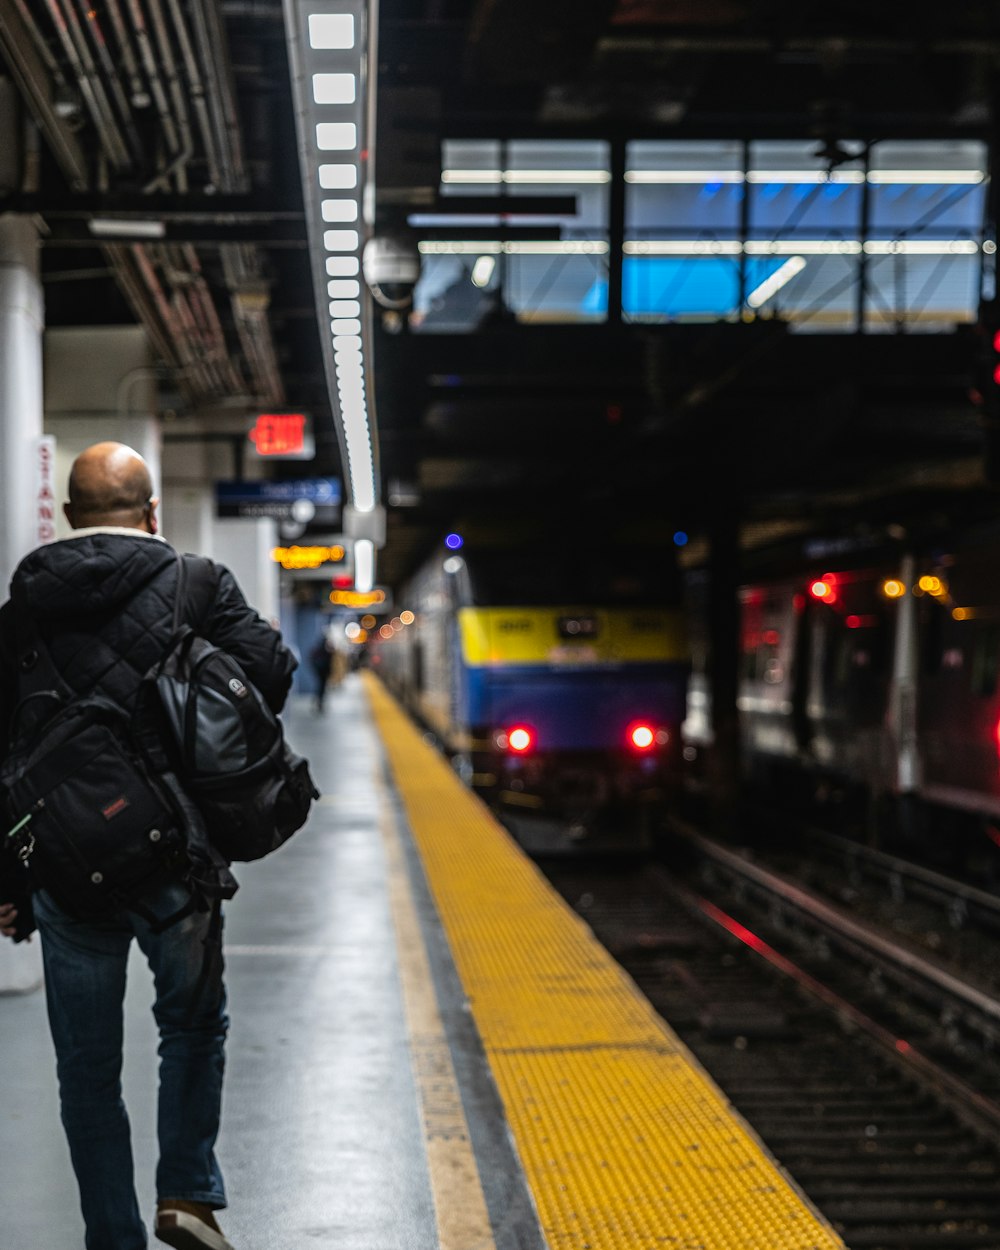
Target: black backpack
(92,822)
(201,718)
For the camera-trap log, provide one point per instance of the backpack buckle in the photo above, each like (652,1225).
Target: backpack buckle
(28,661)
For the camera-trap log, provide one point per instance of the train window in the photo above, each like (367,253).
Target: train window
(985,660)
(538,575)
(760,660)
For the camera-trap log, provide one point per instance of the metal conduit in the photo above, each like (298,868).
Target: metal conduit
(173,54)
(145,46)
(178,167)
(78,55)
(212,46)
(41,46)
(137,88)
(106,64)
(197,88)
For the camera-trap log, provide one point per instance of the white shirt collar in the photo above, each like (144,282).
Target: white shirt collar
(86,530)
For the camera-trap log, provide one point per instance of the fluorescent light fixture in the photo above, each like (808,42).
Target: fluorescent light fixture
(329,57)
(943,177)
(482,270)
(340,210)
(800,247)
(336,136)
(343,266)
(698,177)
(520,247)
(122,228)
(695,176)
(803,177)
(364,564)
(920,247)
(523,177)
(331,30)
(338,177)
(772,284)
(682,247)
(805,247)
(335,88)
(341,240)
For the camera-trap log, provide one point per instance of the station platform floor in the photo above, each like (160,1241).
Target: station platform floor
(428,1049)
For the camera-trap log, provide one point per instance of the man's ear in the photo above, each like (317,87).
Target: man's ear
(153,519)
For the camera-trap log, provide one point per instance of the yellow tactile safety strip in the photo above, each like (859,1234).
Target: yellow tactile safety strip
(624,1140)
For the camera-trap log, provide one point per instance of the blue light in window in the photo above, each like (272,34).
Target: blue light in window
(453,542)
(674,286)
(680,539)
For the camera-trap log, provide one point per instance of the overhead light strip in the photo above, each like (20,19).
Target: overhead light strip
(328,51)
(703,247)
(710,177)
(522,247)
(802,247)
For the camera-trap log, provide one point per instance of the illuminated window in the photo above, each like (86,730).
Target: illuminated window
(537,279)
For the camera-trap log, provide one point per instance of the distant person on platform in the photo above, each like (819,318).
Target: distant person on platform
(320,657)
(102,602)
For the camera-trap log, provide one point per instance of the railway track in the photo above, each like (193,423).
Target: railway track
(871,1073)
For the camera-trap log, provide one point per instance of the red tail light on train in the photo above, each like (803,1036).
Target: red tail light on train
(642,737)
(518,738)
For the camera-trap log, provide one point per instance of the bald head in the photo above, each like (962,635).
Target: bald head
(109,484)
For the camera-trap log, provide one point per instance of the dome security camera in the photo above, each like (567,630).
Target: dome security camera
(391,267)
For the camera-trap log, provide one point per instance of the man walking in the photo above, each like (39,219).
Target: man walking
(102,603)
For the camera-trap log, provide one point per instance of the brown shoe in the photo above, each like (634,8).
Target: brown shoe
(188,1226)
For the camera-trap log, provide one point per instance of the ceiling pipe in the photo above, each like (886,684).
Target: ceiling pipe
(137,88)
(178,167)
(146,55)
(201,298)
(111,75)
(241,263)
(41,45)
(197,87)
(41,80)
(78,55)
(210,37)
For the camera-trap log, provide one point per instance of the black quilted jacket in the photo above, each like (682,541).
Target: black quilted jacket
(104,602)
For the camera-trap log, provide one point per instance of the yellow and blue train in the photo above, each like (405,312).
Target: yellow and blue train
(546,701)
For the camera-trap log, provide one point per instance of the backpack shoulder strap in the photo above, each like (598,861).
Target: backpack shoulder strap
(197,585)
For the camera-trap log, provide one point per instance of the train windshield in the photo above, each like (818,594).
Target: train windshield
(549,577)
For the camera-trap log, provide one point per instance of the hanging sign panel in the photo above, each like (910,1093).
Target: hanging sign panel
(308,501)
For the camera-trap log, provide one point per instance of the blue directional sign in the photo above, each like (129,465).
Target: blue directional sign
(314,500)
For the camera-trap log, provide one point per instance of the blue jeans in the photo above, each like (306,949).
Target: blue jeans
(85,965)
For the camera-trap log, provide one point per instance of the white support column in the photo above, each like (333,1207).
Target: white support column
(244,546)
(21,323)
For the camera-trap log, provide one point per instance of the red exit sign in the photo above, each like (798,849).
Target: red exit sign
(283,436)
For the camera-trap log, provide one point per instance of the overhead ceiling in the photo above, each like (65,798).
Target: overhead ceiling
(575,426)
